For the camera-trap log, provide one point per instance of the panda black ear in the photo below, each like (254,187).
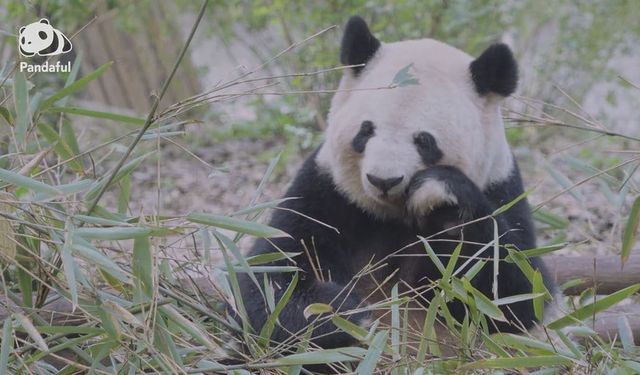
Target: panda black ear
(358,44)
(495,71)
(44,20)
(22,29)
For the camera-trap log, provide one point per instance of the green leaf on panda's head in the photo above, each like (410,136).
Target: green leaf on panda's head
(404,78)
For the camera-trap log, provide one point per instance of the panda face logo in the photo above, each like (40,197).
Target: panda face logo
(40,38)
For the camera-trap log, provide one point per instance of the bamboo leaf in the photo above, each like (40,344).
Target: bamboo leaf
(26,182)
(516,298)
(507,206)
(395,324)
(429,339)
(62,149)
(527,343)
(69,330)
(66,189)
(124,171)
(542,250)
(23,117)
(324,356)
(188,326)
(594,308)
(236,225)
(261,269)
(269,325)
(231,246)
(538,302)
(6,115)
(75,69)
(564,182)
(109,323)
(70,273)
(31,330)
(316,309)
(432,255)
(519,362)
(69,136)
(368,364)
(6,347)
(270,258)
(142,267)
(99,220)
(75,86)
(349,327)
(630,231)
(97,114)
(99,259)
(124,195)
(483,303)
(404,78)
(626,334)
(547,217)
(117,233)
(452,262)
(261,206)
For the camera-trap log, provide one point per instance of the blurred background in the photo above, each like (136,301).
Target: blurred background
(573,124)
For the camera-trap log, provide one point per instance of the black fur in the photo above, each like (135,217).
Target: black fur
(359,142)
(358,44)
(495,71)
(67,44)
(53,46)
(363,237)
(427,148)
(25,52)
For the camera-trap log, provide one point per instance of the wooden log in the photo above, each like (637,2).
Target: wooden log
(604,272)
(608,323)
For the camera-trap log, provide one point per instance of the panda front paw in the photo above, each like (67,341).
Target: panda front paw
(445,186)
(426,192)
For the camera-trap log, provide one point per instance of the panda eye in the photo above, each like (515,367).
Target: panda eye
(423,139)
(367,130)
(42,35)
(427,147)
(22,40)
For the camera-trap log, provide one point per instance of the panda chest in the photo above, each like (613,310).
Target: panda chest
(380,250)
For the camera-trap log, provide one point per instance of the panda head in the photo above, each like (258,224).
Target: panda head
(379,135)
(35,37)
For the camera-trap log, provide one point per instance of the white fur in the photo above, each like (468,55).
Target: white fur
(431,193)
(468,128)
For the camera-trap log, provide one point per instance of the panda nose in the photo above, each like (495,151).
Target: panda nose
(384,184)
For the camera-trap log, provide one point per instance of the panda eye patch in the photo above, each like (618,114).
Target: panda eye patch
(427,147)
(42,35)
(367,130)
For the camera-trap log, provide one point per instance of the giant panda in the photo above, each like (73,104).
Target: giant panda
(397,164)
